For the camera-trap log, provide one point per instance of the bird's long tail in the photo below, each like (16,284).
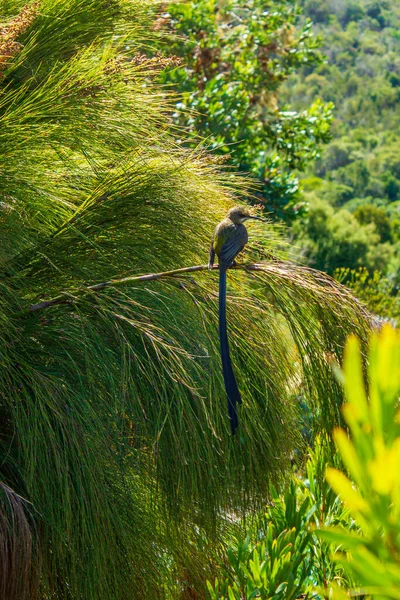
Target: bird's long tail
(231,387)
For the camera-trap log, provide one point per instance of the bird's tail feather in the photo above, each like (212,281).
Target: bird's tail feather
(232,390)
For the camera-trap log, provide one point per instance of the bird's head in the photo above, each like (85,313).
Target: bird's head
(240,214)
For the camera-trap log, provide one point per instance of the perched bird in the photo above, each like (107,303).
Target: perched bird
(230,237)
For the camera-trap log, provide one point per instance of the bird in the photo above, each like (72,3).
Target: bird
(230,237)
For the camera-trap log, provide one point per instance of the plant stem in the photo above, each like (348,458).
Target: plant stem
(65,298)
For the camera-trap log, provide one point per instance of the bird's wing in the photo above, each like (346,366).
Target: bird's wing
(235,239)
(211,255)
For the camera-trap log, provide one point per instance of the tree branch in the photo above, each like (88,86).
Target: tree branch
(65,298)
(283,269)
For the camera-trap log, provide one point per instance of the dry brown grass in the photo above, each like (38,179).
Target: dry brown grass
(9,46)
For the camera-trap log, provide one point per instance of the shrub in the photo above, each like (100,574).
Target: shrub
(371,454)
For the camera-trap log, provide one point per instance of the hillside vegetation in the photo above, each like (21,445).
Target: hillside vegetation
(354,187)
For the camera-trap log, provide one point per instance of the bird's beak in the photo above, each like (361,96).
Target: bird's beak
(257,219)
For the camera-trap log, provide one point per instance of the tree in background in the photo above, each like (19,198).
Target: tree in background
(117,466)
(359,170)
(235,56)
(331,239)
(380,294)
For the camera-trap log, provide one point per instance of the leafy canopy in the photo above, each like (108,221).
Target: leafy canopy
(235,56)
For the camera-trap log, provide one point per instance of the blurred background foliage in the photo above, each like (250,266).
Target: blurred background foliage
(353,189)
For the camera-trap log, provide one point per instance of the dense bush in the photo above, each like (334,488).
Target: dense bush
(235,57)
(281,558)
(380,294)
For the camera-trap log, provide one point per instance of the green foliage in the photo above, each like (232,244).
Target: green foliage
(272,568)
(360,166)
(371,455)
(281,558)
(235,56)
(332,239)
(379,293)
